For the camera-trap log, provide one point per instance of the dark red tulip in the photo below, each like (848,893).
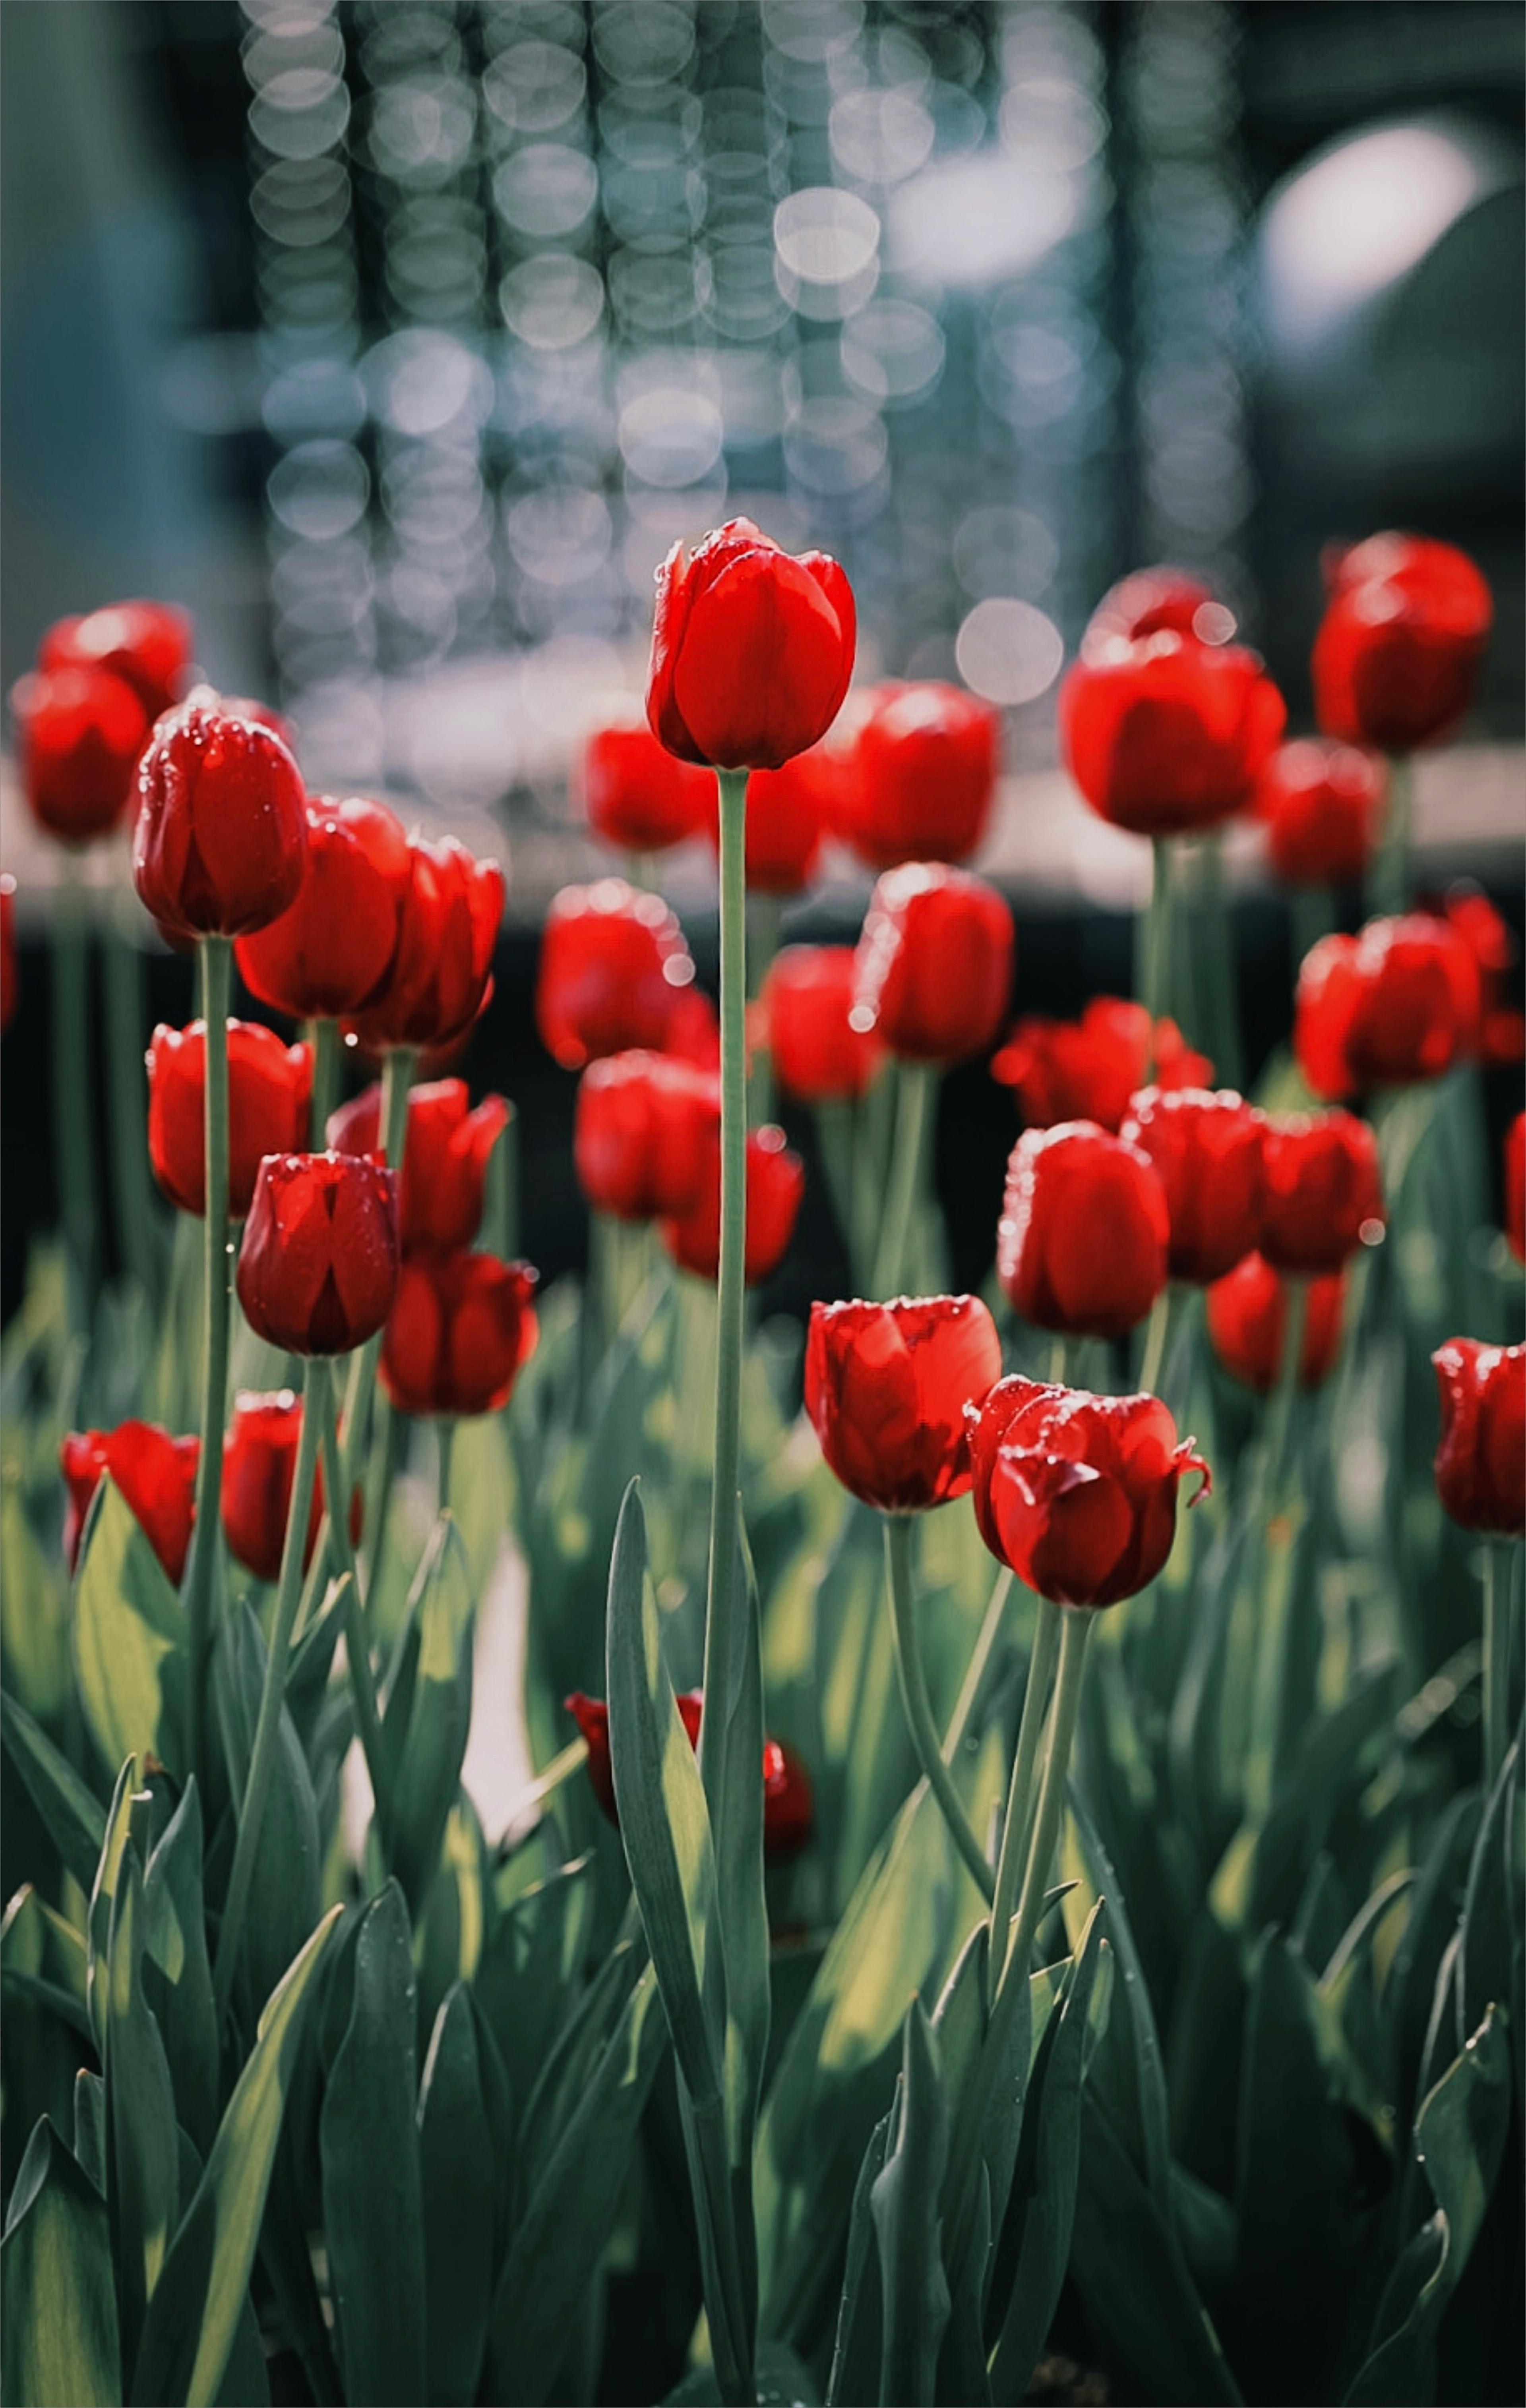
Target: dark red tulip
(637,795)
(775,1184)
(1514,1187)
(1501,1026)
(157,1474)
(1322,1191)
(613,964)
(928,758)
(328,954)
(934,963)
(146,644)
(1086,1070)
(9,981)
(441,974)
(1247,1320)
(79,734)
(269,1088)
(694,1030)
(1078,1493)
(752,650)
(592,1716)
(1481,1460)
(1080,1244)
(1396,659)
(221,840)
(459,1333)
(1166,736)
(1398,1003)
(817,1054)
(1159,602)
(1321,805)
(259,1466)
(445,1156)
(887,1386)
(788,1805)
(791,812)
(644,1137)
(1206,1148)
(318,1268)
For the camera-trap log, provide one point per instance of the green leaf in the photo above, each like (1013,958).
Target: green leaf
(571,2061)
(1429,1926)
(33,1612)
(58,2305)
(70,1812)
(531,1962)
(143,2178)
(129,1638)
(199,2298)
(429,1710)
(907,2225)
(373,2211)
(855,2377)
(177,1974)
(959,2023)
(1148,2112)
(45,1959)
(90,2126)
(741,1906)
(284,1893)
(1484,1969)
(103,1898)
(458,2190)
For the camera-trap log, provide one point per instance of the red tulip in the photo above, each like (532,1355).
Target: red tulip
(928,757)
(1481,1460)
(269,1088)
(612,963)
(1514,1187)
(1080,1244)
(445,1156)
(934,965)
(694,1030)
(460,1331)
(1502,1028)
(1158,602)
(1086,1070)
(221,841)
(775,1184)
(791,812)
(157,1474)
(328,954)
(1322,1195)
(787,1805)
(441,974)
(752,650)
(1247,1319)
(79,734)
(1399,1002)
(318,1268)
(1206,1148)
(637,795)
(592,1716)
(1396,658)
(259,1466)
(643,1140)
(817,1054)
(8,978)
(1321,805)
(146,644)
(1167,736)
(887,1386)
(1078,1493)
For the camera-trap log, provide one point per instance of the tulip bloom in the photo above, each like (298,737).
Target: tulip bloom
(775,1184)
(457,1336)
(885,1389)
(1086,1070)
(928,757)
(1502,1028)
(259,1465)
(328,954)
(221,840)
(79,733)
(1481,1460)
(1321,804)
(1158,602)
(441,973)
(1397,1003)
(592,1716)
(157,1474)
(1396,658)
(1082,1241)
(817,1054)
(787,1805)
(269,1087)
(637,795)
(1167,737)
(1322,1195)
(445,1156)
(612,963)
(752,650)
(8,980)
(934,963)
(1514,1187)
(318,1268)
(791,812)
(645,1133)
(1247,1320)
(1078,1493)
(146,644)
(1206,1148)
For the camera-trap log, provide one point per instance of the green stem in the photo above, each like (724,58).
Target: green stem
(1217,1030)
(320,1400)
(360,1392)
(767,914)
(1388,880)
(138,1216)
(324,1037)
(974,1671)
(1075,1635)
(445,1445)
(262,1762)
(216,975)
(913,1690)
(1269,1678)
(1311,912)
(917,1084)
(1496,1668)
(1152,972)
(1059,1357)
(71,1092)
(1022,1803)
(1157,1335)
(834,1140)
(731,2348)
(1279,1418)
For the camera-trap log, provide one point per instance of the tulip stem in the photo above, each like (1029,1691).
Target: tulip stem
(216,977)
(1157,1338)
(1075,1634)
(974,1671)
(1498,1567)
(1388,883)
(1152,971)
(768,911)
(1022,1798)
(322,1035)
(137,1220)
(917,1083)
(320,1400)
(71,1092)
(445,1445)
(262,1762)
(360,1391)
(1217,1029)
(914,1691)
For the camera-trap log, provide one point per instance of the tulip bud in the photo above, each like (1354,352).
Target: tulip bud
(752,650)
(885,1389)
(1481,1460)
(1080,1244)
(157,1474)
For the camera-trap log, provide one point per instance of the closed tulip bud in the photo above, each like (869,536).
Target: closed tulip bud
(1481,1460)
(221,839)
(885,1389)
(775,1184)
(269,1088)
(1501,1026)
(637,795)
(318,1268)
(1087,1070)
(806,1002)
(1396,658)
(1321,804)
(752,650)
(79,734)
(157,1474)
(1514,1187)
(1206,1148)
(787,1806)
(613,964)
(329,952)
(592,1716)
(928,758)
(146,644)
(934,963)
(458,1334)
(1167,737)
(259,1466)
(1080,1244)
(644,1136)
(1398,1003)
(441,975)
(445,1156)
(1322,1194)
(1158,602)
(1247,1320)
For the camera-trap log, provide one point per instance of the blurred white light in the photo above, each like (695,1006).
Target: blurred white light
(893,352)
(546,190)
(812,31)
(1000,551)
(421,126)
(1008,651)
(1050,123)
(421,382)
(534,87)
(975,221)
(313,397)
(671,436)
(1356,219)
(293,44)
(823,236)
(834,447)
(318,490)
(879,138)
(301,113)
(560,537)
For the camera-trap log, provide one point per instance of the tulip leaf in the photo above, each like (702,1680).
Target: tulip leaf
(284,1895)
(177,1974)
(1429,1926)
(142,2143)
(103,1898)
(33,1613)
(903,2203)
(529,1963)
(90,2126)
(1491,1906)
(46,1958)
(855,2374)
(434,1699)
(71,1811)
(129,1638)
(736,1695)
(571,2059)
(1136,2099)
(458,2183)
(58,2303)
